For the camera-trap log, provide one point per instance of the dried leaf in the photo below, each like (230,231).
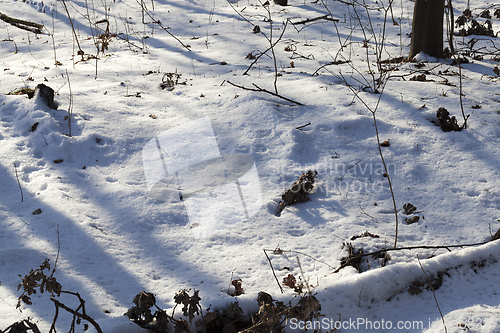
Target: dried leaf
(386,143)
(409,208)
(238,289)
(289,281)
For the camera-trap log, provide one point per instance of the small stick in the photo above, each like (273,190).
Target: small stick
(433,293)
(303,126)
(359,301)
(18,183)
(277,281)
(44,139)
(304,277)
(58,250)
(264,90)
(363,211)
(324,17)
(280,251)
(70,106)
(352,166)
(496,235)
(143,6)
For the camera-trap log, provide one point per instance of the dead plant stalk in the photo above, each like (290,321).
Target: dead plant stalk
(433,293)
(373,112)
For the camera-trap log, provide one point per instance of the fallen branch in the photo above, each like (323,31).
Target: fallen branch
(324,17)
(22,24)
(259,89)
(302,126)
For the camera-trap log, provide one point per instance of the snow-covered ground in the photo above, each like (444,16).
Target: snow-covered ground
(116,239)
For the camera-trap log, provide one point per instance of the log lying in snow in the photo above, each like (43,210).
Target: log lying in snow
(21,24)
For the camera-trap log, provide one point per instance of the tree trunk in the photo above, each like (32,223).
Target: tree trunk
(427,28)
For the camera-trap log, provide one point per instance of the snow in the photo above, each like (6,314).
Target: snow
(231,153)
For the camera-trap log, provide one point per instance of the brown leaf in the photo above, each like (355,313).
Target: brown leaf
(413,219)
(409,208)
(238,289)
(289,281)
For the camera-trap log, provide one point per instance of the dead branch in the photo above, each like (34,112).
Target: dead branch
(433,293)
(160,25)
(259,89)
(82,315)
(22,24)
(18,183)
(302,126)
(271,47)
(339,62)
(274,273)
(280,251)
(324,17)
(496,235)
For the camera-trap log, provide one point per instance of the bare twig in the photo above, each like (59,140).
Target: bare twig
(82,315)
(58,250)
(70,106)
(272,268)
(302,126)
(145,9)
(433,293)
(363,211)
(386,174)
(304,277)
(18,183)
(264,90)
(280,251)
(270,40)
(44,139)
(451,26)
(80,51)
(324,17)
(460,92)
(271,47)
(496,235)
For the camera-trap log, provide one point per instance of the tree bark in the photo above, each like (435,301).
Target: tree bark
(427,28)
